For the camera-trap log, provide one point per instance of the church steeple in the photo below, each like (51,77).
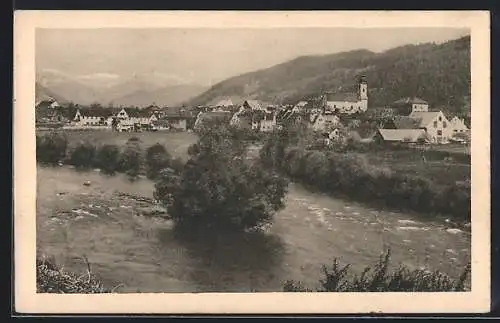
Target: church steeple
(363,88)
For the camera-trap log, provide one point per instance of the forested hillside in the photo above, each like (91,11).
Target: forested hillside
(437,73)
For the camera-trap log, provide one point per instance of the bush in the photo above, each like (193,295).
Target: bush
(219,189)
(52,279)
(351,175)
(378,279)
(131,159)
(108,158)
(83,155)
(157,158)
(51,148)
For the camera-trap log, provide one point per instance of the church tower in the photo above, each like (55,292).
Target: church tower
(363,93)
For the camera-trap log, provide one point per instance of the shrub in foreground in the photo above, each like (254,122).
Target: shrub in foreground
(219,189)
(51,148)
(53,279)
(351,175)
(83,155)
(131,159)
(107,158)
(157,158)
(378,278)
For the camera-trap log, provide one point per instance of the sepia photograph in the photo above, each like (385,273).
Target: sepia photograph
(232,156)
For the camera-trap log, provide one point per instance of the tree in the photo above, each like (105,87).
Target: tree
(83,155)
(157,158)
(51,148)
(107,158)
(131,159)
(219,189)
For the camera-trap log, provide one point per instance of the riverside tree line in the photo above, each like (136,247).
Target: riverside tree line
(220,191)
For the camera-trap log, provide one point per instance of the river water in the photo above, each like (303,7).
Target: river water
(144,255)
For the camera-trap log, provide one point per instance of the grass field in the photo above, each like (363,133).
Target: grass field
(409,162)
(175,142)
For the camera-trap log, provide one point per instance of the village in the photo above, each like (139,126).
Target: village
(164,171)
(335,116)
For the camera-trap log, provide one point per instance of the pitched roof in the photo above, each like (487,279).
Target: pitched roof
(253,104)
(96,112)
(177,113)
(411,135)
(301,104)
(138,113)
(285,114)
(404,122)
(413,100)
(424,117)
(215,115)
(342,97)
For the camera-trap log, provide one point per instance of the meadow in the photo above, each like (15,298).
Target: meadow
(175,142)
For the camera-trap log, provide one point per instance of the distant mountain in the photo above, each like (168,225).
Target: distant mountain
(437,73)
(166,96)
(68,87)
(138,90)
(44,94)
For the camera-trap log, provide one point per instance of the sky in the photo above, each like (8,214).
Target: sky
(206,56)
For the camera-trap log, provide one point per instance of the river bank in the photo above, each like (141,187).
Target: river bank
(143,254)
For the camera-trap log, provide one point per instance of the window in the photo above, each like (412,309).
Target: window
(440,132)
(440,118)
(435,124)
(455,130)
(444,124)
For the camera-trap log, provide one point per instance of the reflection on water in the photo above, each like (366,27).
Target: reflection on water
(229,262)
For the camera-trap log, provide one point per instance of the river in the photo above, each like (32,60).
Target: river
(144,255)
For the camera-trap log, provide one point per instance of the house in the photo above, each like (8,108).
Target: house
(49,111)
(458,125)
(300,106)
(252,105)
(399,135)
(349,103)
(142,117)
(178,118)
(289,118)
(204,118)
(93,117)
(437,127)
(268,123)
(322,121)
(255,115)
(405,106)
(161,124)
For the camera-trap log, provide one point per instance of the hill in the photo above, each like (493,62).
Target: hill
(438,73)
(43,94)
(138,90)
(165,96)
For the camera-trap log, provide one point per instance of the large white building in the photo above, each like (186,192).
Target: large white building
(349,103)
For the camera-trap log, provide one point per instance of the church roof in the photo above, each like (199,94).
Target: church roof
(342,97)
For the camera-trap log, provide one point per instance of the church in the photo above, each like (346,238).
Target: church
(349,103)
